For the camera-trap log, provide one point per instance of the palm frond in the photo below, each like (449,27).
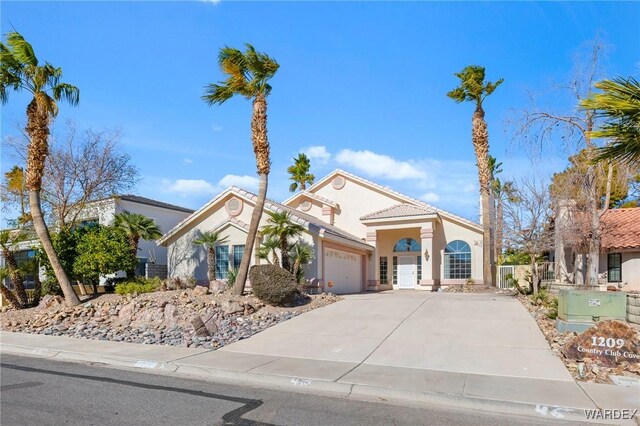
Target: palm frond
(22,50)
(67,92)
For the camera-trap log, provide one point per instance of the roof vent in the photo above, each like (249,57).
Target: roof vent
(233,206)
(305,205)
(338,182)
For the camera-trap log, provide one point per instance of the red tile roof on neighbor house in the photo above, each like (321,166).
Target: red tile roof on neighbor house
(620,229)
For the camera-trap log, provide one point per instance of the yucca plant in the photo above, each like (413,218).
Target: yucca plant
(136,227)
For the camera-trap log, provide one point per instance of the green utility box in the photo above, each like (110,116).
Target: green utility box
(580,309)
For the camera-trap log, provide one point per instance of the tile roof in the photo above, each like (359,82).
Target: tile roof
(400,210)
(319,198)
(148,201)
(620,228)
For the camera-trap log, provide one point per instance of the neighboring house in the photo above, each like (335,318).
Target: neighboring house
(619,260)
(165,216)
(365,237)
(620,253)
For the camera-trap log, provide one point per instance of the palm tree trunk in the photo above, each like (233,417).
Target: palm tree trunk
(8,294)
(211,260)
(275,258)
(38,130)
(284,254)
(15,274)
(480,138)
(70,296)
(499,227)
(243,269)
(263,162)
(37,287)
(133,247)
(593,259)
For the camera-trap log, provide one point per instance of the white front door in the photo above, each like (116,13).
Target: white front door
(406,271)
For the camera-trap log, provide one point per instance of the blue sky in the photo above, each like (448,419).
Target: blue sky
(362,86)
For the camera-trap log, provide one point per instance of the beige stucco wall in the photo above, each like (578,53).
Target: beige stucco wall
(630,269)
(448,231)
(354,201)
(187,259)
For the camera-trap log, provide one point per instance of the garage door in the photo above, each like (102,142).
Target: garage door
(342,271)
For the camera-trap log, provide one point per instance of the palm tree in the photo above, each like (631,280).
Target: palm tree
(301,253)
(619,106)
(269,247)
(495,168)
(474,89)
(248,76)
(299,172)
(8,241)
(136,226)
(6,293)
(281,227)
(15,189)
(20,70)
(209,240)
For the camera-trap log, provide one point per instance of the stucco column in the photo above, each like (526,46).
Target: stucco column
(374,281)
(426,239)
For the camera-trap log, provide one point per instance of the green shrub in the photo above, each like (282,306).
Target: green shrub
(231,276)
(272,284)
(139,286)
(50,286)
(552,309)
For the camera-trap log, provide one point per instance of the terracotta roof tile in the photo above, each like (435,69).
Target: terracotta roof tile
(620,228)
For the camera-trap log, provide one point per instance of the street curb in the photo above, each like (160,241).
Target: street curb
(300,384)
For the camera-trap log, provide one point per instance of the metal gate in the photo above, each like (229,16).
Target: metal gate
(505,275)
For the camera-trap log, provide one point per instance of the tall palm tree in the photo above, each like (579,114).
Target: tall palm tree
(209,240)
(280,226)
(495,168)
(6,293)
(269,247)
(136,226)
(474,89)
(20,70)
(619,105)
(8,241)
(299,172)
(248,75)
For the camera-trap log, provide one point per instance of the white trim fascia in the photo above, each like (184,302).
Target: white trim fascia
(416,219)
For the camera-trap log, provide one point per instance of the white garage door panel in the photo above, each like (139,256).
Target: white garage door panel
(344,270)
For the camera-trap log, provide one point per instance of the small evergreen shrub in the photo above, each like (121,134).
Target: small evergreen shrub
(272,284)
(139,286)
(50,286)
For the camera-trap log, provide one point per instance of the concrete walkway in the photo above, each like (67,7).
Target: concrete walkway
(477,350)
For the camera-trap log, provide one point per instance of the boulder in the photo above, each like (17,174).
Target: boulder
(216,286)
(200,328)
(608,343)
(231,307)
(48,301)
(210,323)
(170,315)
(200,290)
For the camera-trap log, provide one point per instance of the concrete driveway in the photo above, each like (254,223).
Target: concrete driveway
(484,334)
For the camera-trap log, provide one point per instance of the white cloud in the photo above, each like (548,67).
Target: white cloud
(318,152)
(379,165)
(187,161)
(245,182)
(216,128)
(201,187)
(211,1)
(190,187)
(430,197)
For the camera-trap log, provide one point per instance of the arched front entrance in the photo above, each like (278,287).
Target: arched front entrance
(407,263)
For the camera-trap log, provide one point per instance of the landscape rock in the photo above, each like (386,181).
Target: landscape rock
(216,286)
(49,301)
(200,290)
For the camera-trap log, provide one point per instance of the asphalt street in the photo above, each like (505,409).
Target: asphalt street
(43,392)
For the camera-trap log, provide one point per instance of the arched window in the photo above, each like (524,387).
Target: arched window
(457,260)
(406,244)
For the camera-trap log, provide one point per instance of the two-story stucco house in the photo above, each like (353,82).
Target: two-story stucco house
(365,237)
(165,216)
